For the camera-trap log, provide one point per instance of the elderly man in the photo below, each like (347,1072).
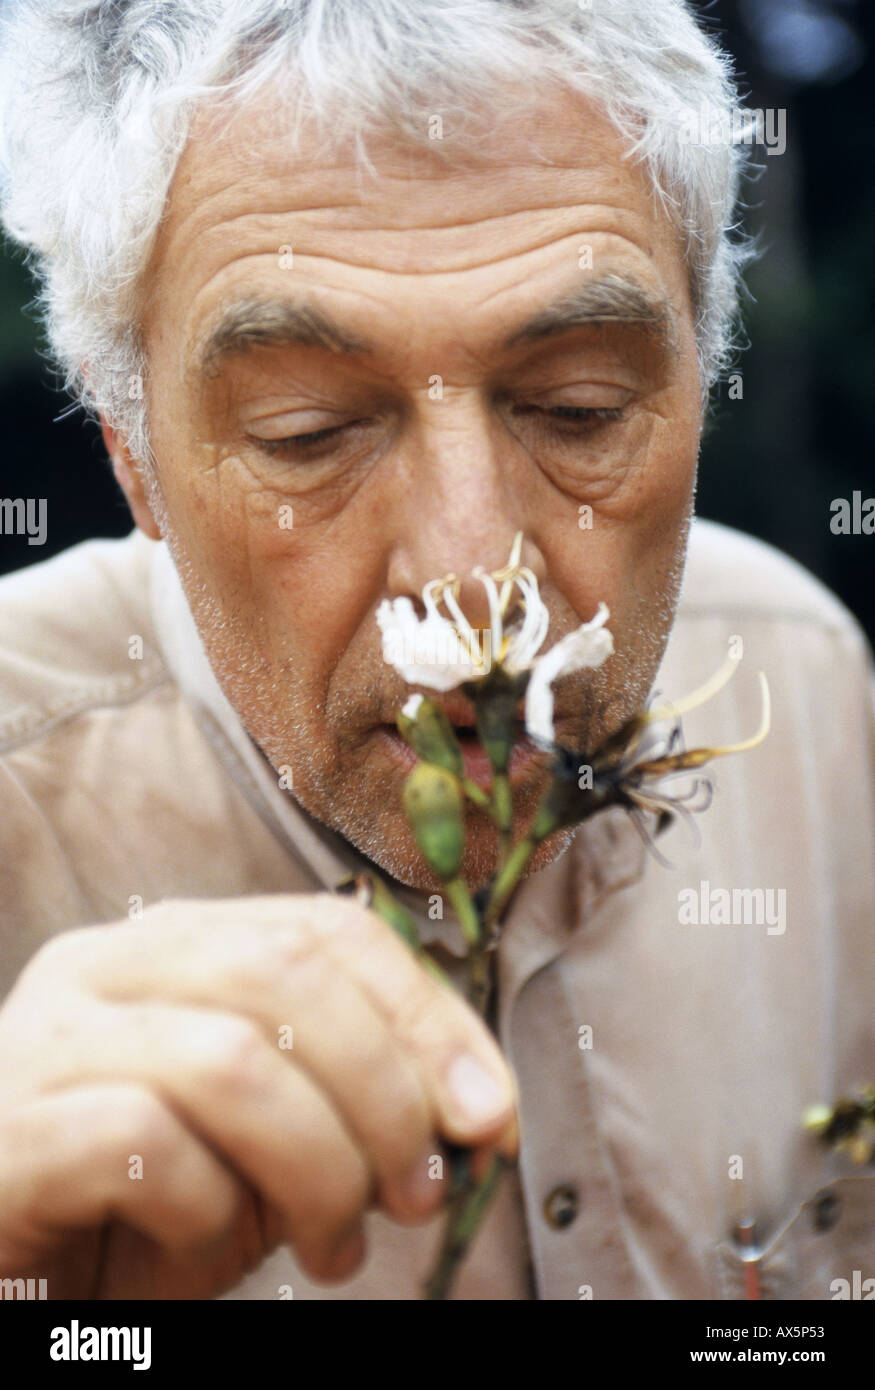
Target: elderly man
(361,290)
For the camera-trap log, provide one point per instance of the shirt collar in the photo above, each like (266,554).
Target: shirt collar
(605,855)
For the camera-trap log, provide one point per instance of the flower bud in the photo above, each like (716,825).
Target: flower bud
(433,806)
(495,700)
(426,729)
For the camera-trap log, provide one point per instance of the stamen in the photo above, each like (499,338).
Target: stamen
(696,757)
(510,568)
(696,697)
(433,587)
(462,625)
(533,629)
(494,611)
(762,731)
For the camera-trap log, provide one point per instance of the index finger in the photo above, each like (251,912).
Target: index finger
(244,954)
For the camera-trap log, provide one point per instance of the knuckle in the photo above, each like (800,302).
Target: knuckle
(251,962)
(209,1218)
(423,1016)
(135,1118)
(228,1053)
(291,949)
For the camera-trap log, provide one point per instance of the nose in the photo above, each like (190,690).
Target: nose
(461,504)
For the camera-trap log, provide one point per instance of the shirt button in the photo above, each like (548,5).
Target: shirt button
(561,1206)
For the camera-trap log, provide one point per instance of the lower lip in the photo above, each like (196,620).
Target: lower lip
(524,755)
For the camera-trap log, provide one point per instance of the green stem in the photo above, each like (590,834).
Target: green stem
(507,878)
(502,805)
(478,979)
(476,794)
(463,905)
(432,968)
(469,1196)
(373,893)
(469,1200)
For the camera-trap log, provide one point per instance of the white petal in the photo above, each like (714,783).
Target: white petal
(589,645)
(410,708)
(425,652)
(539,711)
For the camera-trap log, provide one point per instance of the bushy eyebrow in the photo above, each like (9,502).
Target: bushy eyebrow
(606,299)
(259,322)
(256,322)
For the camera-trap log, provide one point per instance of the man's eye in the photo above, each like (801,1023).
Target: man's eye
(582,413)
(301,444)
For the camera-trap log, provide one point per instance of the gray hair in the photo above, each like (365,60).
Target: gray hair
(98,98)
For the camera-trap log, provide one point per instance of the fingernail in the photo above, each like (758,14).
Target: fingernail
(476,1091)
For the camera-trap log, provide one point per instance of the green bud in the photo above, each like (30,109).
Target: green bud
(430,734)
(433,806)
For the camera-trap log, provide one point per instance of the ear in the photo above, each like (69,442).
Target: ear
(128,477)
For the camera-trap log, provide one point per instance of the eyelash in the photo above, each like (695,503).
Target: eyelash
(302,443)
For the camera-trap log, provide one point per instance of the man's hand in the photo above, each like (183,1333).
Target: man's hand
(167,1041)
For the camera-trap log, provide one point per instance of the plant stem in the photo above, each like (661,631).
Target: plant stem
(476,794)
(502,806)
(507,878)
(468,1202)
(463,905)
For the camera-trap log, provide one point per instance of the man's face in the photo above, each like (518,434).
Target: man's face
(456,400)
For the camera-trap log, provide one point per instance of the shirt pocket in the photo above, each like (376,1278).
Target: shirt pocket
(825,1251)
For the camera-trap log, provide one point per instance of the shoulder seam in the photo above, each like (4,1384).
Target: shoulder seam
(53,719)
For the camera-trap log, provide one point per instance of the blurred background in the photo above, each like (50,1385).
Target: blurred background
(793,430)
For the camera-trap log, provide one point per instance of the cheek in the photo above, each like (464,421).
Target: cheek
(667,490)
(299,596)
(632,538)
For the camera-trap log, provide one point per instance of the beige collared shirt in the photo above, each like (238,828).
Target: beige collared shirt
(666,1028)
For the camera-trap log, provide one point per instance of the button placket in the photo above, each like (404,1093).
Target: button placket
(573,1206)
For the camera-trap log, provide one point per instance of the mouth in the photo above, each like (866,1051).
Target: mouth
(525,755)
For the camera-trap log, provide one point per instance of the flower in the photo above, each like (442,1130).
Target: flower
(635,762)
(443,652)
(427,651)
(847,1126)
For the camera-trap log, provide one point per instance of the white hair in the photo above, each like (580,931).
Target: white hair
(97,101)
